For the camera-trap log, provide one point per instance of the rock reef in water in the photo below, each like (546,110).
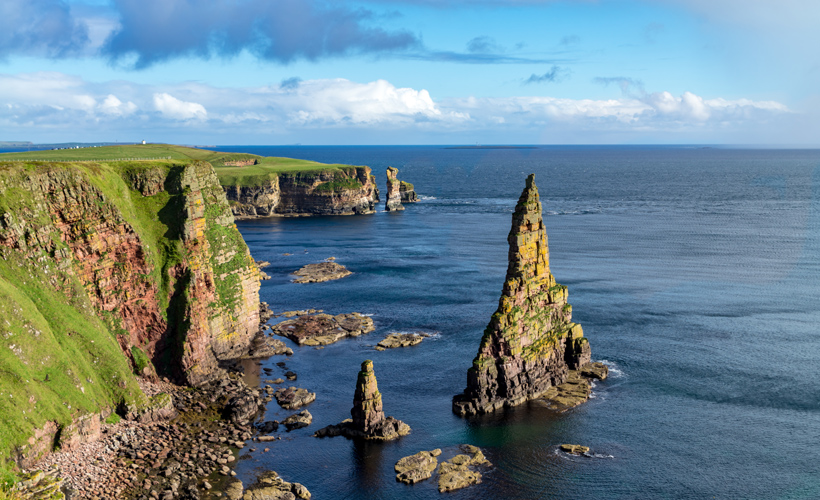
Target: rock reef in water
(531,342)
(368,420)
(460,471)
(323,271)
(393,201)
(395,340)
(324,329)
(408,193)
(418,467)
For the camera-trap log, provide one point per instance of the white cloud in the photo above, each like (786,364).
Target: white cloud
(327,110)
(172,107)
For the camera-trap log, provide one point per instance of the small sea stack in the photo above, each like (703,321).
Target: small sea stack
(368,420)
(393,201)
(408,193)
(531,342)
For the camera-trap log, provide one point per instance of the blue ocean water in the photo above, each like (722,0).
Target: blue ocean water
(693,271)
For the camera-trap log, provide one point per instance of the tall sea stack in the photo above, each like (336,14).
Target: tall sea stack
(530,342)
(393,190)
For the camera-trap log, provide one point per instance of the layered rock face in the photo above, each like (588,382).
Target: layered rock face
(344,191)
(531,341)
(393,201)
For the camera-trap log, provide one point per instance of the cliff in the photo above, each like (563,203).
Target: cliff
(332,191)
(393,201)
(531,341)
(109,269)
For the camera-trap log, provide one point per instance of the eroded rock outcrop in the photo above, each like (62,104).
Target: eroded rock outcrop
(418,467)
(368,420)
(342,191)
(531,342)
(408,193)
(320,272)
(393,201)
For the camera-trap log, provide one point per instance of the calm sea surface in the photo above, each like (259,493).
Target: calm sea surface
(694,272)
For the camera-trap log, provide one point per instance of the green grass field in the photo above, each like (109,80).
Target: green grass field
(266,167)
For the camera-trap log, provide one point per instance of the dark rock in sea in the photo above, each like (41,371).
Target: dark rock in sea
(368,420)
(393,201)
(531,342)
(574,449)
(293,397)
(323,271)
(268,427)
(298,420)
(323,329)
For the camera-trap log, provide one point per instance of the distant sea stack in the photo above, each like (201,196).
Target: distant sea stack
(408,193)
(393,201)
(530,342)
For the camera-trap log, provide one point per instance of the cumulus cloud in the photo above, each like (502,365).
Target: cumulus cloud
(40,28)
(54,101)
(284,30)
(172,107)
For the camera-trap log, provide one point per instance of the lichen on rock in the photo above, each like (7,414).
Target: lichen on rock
(531,342)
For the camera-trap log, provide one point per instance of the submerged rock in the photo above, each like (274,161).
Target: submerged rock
(293,397)
(417,467)
(395,340)
(323,271)
(574,391)
(368,420)
(531,342)
(393,201)
(323,329)
(460,471)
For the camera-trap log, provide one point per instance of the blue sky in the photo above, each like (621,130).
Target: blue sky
(411,72)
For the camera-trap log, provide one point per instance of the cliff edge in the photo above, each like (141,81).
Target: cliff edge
(107,270)
(531,342)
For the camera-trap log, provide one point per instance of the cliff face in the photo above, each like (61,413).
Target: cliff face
(393,201)
(345,191)
(531,341)
(109,269)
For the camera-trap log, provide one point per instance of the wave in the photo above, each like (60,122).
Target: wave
(424,197)
(614,370)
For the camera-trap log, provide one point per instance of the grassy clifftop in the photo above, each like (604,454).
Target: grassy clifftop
(264,167)
(108,268)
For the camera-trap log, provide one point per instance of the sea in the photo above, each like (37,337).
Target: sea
(694,271)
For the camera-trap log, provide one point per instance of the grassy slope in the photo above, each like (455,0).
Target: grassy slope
(233,176)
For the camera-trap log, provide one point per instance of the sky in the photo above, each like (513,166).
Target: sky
(411,71)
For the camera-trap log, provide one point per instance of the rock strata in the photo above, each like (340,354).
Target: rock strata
(395,340)
(460,471)
(323,271)
(368,420)
(417,467)
(393,201)
(324,329)
(531,342)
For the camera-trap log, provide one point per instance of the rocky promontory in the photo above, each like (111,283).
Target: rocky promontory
(531,342)
(261,191)
(393,201)
(368,420)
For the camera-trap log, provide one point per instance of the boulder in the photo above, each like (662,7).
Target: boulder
(298,420)
(293,397)
(269,486)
